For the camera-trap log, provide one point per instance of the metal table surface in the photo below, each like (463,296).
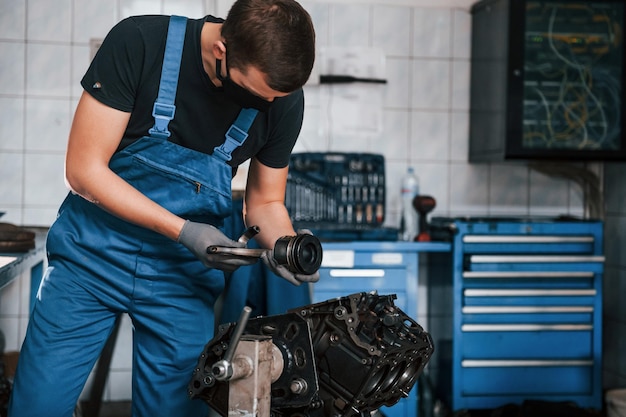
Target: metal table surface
(25,261)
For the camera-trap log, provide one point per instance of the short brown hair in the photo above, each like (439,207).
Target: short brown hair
(275,36)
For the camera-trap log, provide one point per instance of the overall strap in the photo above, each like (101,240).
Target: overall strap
(236,134)
(164,108)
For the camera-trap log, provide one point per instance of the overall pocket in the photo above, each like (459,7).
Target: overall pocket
(186,182)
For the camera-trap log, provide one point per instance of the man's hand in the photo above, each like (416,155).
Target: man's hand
(197,237)
(283,272)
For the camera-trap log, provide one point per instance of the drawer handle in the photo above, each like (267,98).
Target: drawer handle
(527,274)
(533,259)
(526,293)
(526,239)
(525,309)
(357,273)
(475,363)
(524,327)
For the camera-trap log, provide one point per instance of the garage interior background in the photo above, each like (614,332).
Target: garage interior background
(45,48)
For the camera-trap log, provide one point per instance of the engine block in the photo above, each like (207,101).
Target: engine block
(342,357)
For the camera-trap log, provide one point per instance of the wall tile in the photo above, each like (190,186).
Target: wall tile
(80,63)
(395,137)
(432,29)
(469,189)
(223,6)
(13,20)
(392,30)
(10,328)
(430,138)
(349,143)
(312,94)
(12,213)
(47,124)
(354,116)
(398,82)
(460,99)
(191,8)
(25,291)
(11,123)
(312,137)
(431,84)
(48,69)
(12,56)
(12,174)
(350,25)
(508,191)
(119,386)
(461,34)
(321,22)
(122,358)
(41,216)
(548,196)
(22,326)
(10,299)
(139,7)
(93,19)
(459,132)
(576,200)
(46,23)
(44,169)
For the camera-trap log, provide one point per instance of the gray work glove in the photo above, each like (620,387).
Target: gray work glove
(283,272)
(197,237)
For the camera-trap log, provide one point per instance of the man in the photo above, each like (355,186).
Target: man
(150,157)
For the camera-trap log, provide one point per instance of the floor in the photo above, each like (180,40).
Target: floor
(111,409)
(122,409)
(115,409)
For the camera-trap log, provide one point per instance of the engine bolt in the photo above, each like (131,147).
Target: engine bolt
(298,386)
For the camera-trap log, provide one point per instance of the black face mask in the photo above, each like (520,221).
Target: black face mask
(238,94)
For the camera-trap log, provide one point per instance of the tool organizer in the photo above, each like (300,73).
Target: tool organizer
(336,190)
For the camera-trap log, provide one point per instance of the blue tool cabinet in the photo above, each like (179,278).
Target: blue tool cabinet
(527,319)
(386,267)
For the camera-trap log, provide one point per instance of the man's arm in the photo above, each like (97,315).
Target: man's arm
(264,203)
(95,135)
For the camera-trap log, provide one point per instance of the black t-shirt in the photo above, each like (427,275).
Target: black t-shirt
(125,75)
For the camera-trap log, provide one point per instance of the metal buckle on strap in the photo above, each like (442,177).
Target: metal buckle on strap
(162,114)
(236,134)
(234,137)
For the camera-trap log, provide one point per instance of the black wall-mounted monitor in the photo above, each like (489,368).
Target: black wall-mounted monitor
(548,80)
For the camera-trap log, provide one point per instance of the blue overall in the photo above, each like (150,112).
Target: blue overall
(101,266)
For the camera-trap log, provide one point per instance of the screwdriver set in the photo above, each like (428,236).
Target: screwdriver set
(336,190)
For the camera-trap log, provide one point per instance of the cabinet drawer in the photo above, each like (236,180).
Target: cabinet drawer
(519,341)
(529,297)
(537,263)
(527,313)
(362,279)
(528,244)
(526,378)
(348,258)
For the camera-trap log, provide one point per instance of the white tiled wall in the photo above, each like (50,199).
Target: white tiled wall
(44,50)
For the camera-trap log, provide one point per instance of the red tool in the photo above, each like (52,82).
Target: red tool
(423,204)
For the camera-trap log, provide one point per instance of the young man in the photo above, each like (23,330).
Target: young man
(149,195)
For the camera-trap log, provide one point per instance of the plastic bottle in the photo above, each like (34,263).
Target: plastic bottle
(410,188)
